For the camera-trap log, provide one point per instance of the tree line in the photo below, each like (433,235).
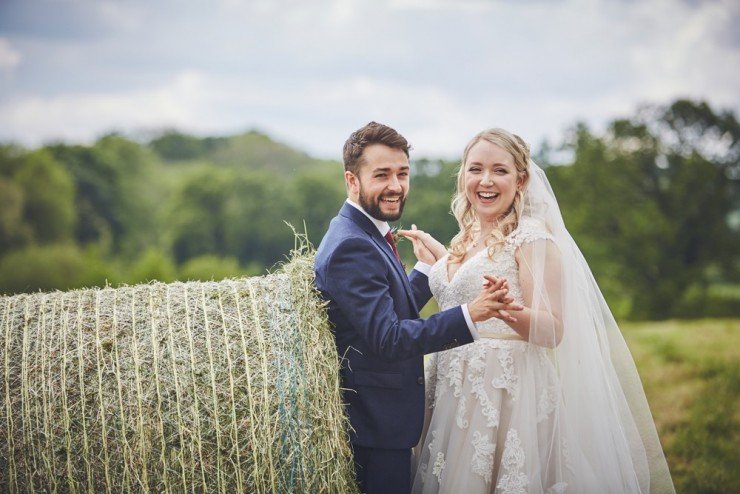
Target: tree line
(652,202)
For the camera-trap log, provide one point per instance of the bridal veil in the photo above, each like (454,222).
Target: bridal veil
(604,425)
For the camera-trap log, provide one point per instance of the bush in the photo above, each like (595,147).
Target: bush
(211,267)
(51,267)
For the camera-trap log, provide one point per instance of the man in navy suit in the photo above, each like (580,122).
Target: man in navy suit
(374,308)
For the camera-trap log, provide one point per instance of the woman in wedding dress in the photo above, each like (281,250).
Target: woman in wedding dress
(547,400)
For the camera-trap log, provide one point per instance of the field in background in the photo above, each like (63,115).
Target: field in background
(691,374)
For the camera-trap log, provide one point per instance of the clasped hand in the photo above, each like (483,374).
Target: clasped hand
(493,300)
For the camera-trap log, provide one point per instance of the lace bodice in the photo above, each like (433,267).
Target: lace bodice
(468,279)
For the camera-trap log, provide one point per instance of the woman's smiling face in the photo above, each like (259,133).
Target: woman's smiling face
(491,180)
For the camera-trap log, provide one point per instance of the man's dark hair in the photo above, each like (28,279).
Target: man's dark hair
(372,133)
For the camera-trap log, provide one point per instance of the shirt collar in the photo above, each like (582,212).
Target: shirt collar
(382,226)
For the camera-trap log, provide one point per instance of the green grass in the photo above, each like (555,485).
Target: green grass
(691,374)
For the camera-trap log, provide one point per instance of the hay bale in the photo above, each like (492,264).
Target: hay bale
(227,386)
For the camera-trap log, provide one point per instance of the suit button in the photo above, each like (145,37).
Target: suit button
(420,380)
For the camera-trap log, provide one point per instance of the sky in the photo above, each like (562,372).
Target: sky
(308,73)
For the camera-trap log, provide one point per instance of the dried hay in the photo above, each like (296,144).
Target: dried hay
(228,386)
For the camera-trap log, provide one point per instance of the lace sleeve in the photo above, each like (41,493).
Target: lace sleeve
(529,230)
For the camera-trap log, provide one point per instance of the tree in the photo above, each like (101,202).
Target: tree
(13,231)
(649,205)
(314,198)
(112,201)
(197,214)
(48,197)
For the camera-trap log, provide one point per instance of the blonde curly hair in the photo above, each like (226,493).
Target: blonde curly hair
(462,209)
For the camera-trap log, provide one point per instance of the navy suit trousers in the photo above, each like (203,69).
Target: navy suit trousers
(383,471)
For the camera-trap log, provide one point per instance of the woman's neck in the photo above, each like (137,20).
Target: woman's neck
(485,229)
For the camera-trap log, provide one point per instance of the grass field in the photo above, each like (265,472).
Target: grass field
(691,374)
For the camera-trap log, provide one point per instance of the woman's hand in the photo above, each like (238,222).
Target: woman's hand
(493,301)
(424,244)
(494,283)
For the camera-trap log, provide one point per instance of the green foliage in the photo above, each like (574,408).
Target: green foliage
(649,205)
(175,146)
(152,265)
(111,178)
(13,230)
(48,197)
(51,267)
(314,198)
(197,216)
(652,202)
(210,267)
(251,150)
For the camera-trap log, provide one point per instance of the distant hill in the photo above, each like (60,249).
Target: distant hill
(253,150)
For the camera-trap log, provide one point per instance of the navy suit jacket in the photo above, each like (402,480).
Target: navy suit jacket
(374,308)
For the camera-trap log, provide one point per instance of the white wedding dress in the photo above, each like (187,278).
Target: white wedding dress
(509,416)
(492,406)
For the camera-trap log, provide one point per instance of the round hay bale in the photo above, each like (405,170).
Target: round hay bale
(229,386)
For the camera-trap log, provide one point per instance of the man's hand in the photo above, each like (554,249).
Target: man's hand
(424,244)
(493,301)
(421,251)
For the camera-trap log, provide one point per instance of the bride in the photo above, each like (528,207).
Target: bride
(548,399)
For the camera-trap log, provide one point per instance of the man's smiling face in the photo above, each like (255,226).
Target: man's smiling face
(383,182)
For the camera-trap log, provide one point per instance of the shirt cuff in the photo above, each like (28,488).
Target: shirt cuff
(423,268)
(469,320)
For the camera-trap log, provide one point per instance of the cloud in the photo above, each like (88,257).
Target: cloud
(311,72)
(687,51)
(9,57)
(82,117)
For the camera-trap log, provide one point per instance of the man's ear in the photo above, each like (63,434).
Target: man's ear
(353,183)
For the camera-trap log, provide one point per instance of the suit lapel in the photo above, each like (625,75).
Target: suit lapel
(363,222)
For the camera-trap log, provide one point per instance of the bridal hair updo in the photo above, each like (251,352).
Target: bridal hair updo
(462,209)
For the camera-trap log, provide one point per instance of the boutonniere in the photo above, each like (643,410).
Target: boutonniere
(396,237)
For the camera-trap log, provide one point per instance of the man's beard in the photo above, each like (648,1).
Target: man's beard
(373,208)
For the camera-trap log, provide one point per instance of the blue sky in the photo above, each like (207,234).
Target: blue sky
(310,72)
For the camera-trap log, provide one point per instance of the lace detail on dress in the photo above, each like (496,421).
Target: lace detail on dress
(547,403)
(558,488)
(488,409)
(453,373)
(514,481)
(509,380)
(432,382)
(424,466)
(432,443)
(482,463)
(529,230)
(461,409)
(439,466)
(566,456)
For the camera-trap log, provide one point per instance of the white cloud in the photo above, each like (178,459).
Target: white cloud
(311,72)
(82,117)
(9,57)
(685,55)
(455,5)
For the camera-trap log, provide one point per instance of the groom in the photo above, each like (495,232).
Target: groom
(374,308)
